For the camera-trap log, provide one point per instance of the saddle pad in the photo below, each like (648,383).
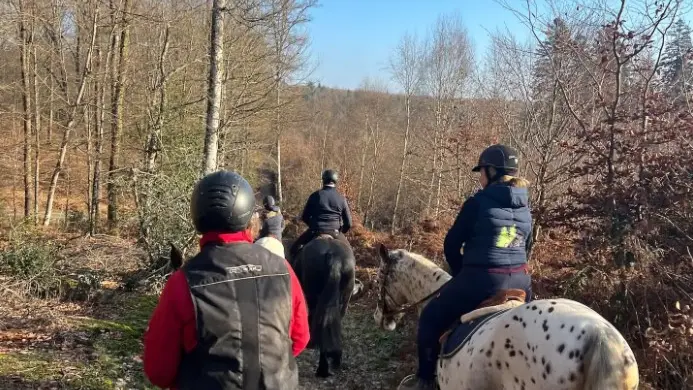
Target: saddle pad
(463,331)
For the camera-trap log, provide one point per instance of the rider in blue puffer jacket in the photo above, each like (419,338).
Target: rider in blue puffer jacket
(486,249)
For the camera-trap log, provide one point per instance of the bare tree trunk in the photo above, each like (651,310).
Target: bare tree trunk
(154,142)
(324,149)
(87,113)
(26,106)
(37,131)
(280,195)
(99,114)
(72,114)
(278,131)
(15,168)
(216,53)
(374,171)
(51,86)
(405,150)
(459,171)
(117,113)
(362,167)
(68,189)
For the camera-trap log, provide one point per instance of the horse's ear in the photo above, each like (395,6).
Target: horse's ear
(384,252)
(387,255)
(176,257)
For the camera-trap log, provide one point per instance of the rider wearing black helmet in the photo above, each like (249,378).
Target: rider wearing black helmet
(495,229)
(326,212)
(272,219)
(234,316)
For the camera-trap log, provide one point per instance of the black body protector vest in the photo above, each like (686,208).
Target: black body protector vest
(243,306)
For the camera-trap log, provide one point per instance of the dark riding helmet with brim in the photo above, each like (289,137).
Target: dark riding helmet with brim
(501,157)
(222,201)
(329,176)
(269,203)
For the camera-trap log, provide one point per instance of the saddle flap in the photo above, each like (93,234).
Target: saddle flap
(455,338)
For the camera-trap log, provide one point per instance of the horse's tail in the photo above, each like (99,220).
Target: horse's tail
(326,320)
(609,364)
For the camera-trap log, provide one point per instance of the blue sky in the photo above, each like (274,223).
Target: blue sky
(353,39)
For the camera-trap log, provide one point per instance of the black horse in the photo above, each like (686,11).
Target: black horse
(326,269)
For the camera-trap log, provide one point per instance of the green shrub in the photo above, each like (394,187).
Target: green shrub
(30,262)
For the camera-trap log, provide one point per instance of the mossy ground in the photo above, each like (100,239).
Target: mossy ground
(97,347)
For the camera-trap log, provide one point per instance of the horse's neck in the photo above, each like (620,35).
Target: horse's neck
(428,278)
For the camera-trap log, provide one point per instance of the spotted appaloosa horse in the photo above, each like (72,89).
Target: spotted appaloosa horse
(544,344)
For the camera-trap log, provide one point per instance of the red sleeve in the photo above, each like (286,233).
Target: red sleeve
(169,332)
(298,326)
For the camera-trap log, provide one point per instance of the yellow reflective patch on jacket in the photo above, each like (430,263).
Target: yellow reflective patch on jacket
(506,237)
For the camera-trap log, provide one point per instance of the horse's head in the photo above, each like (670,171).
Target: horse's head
(405,280)
(386,312)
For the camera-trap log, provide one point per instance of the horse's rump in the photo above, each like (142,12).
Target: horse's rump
(326,270)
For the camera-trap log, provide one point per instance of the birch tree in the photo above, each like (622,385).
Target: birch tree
(405,68)
(214,88)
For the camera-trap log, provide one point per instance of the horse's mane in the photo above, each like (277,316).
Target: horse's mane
(421,262)
(429,273)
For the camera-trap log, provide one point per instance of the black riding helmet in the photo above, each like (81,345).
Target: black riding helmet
(329,176)
(222,201)
(503,158)
(268,202)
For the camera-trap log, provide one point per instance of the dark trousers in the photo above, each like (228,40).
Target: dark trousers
(459,296)
(308,235)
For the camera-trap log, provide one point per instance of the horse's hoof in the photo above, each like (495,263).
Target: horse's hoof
(323,373)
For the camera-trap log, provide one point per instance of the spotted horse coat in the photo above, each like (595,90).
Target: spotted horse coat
(547,344)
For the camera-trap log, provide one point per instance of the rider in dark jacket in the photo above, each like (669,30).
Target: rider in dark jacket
(272,219)
(486,249)
(234,316)
(326,212)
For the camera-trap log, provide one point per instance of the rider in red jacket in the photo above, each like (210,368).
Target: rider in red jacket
(172,336)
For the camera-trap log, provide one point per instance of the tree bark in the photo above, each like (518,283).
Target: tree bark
(26,106)
(37,129)
(117,114)
(99,115)
(216,54)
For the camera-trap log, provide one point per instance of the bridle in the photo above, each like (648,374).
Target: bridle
(384,294)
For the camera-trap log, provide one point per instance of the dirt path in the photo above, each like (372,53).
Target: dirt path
(373,359)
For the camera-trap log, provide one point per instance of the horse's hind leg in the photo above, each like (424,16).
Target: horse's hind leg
(336,359)
(346,295)
(323,366)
